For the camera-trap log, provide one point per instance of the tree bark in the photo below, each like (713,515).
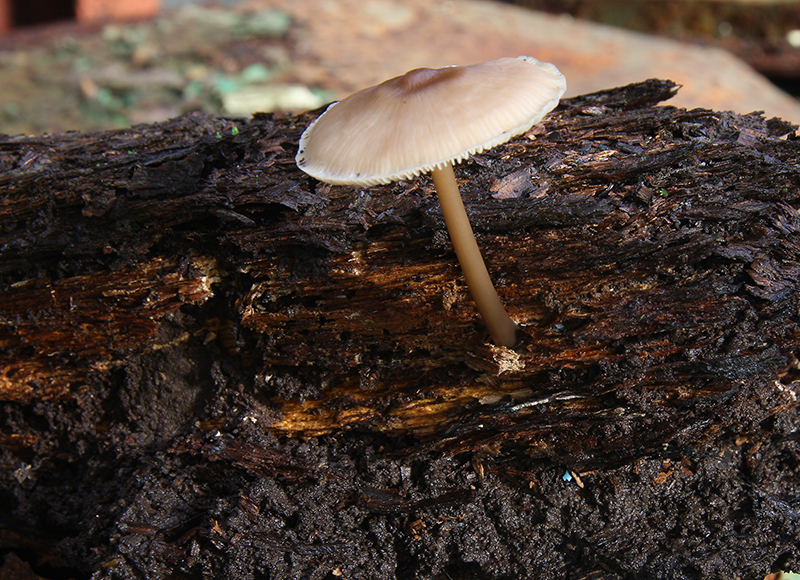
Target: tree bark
(168,284)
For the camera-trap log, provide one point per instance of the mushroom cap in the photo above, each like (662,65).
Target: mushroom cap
(427,118)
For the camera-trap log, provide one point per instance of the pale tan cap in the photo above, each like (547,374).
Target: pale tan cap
(427,118)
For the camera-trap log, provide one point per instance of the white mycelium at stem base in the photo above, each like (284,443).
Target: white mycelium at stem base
(424,121)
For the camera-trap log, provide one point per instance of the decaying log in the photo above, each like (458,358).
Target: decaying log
(168,284)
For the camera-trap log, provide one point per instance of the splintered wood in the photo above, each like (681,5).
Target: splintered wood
(650,255)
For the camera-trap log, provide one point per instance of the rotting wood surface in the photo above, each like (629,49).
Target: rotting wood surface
(187,276)
(650,255)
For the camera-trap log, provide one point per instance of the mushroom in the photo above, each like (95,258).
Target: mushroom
(424,121)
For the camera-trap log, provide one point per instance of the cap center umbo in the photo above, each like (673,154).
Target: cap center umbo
(420,79)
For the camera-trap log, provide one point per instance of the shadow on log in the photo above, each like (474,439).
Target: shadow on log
(212,365)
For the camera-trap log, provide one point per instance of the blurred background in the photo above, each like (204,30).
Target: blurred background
(102,64)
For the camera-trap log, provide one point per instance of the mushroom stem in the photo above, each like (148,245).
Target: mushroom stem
(502,329)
